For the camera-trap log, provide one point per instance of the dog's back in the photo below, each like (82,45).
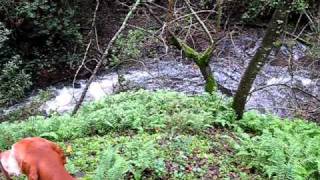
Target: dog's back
(41,159)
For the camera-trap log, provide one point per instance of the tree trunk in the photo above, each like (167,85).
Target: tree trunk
(202,60)
(206,72)
(219,14)
(260,58)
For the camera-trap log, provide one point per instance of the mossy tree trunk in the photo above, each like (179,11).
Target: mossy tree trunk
(260,58)
(201,59)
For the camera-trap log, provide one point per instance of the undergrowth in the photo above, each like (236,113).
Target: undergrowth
(138,112)
(281,149)
(168,135)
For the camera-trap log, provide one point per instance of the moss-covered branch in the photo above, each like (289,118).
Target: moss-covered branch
(202,59)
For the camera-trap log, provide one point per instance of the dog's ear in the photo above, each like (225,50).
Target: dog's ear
(56,149)
(60,152)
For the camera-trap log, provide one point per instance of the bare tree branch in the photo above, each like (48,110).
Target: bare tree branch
(104,55)
(200,21)
(93,24)
(287,86)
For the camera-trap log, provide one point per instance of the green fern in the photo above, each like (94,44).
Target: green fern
(112,166)
(281,149)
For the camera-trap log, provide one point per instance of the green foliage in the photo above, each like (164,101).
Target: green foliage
(36,38)
(136,111)
(281,149)
(52,19)
(119,155)
(112,166)
(184,152)
(52,27)
(4,33)
(128,46)
(13,78)
(14,81)
(258,8)
(168,135)
(150,156)
(314,52)
(142,156)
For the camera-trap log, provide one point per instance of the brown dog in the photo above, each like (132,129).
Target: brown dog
(37,158)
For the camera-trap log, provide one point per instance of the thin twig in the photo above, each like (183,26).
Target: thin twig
(200,21)
(83,62)
(190,14)
(162,37)
(104,55)
(287,86)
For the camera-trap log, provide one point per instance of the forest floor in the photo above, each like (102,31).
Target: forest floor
(170,135)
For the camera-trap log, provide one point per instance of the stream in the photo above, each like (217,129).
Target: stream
(272,91)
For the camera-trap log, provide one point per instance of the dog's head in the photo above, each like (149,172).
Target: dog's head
(9,163)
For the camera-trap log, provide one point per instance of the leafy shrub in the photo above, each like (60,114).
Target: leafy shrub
(281,149)
(117,156)
(112,166)
(4,33)
(53,29)
(128,46)
(14,80)
(142,155)
(136,111)
(36,37)
(263,8)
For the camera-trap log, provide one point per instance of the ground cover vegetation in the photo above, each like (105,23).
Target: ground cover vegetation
(169,135)
(143,134)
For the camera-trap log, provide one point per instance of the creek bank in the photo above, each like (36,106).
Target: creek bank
(278,89)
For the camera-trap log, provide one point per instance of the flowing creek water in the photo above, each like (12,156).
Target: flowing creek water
(175,73)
